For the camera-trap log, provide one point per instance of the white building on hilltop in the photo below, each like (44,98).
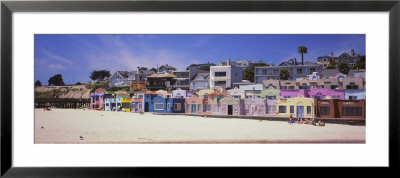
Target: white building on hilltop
(223,76)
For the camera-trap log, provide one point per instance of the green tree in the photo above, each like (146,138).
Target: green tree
(154,69)
(360,64)
(99,85)
(99,74)
(38,83)
(248,73)
(56,80)
(344,68)
(78,83)
(332,63)
(284,74)
(302,50)
(143,68)
(330,67)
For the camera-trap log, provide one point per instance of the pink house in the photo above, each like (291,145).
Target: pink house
(293,93)
(255,106)
(97,99)
(138,102)
(199,104)
(322,93)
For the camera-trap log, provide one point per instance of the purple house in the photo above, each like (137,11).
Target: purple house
(322,93)
(293,93)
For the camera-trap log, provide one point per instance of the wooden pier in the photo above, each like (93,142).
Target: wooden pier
(62,102)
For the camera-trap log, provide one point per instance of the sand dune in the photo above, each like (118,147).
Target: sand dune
(67,125)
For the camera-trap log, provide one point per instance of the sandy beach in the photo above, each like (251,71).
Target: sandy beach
(67,125)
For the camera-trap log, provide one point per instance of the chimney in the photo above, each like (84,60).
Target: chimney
(228,62)
(352,52)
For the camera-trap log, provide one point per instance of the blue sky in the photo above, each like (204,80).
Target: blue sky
(75,56)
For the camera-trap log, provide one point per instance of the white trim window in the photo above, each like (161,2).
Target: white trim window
(158,106)
(177,106)
(168,106)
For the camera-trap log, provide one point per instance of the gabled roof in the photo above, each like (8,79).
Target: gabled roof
(123,74)
(206,77)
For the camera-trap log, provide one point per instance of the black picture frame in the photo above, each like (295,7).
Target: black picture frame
(8,7)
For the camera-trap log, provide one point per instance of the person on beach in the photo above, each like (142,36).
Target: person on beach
(299,121)
(290,119)
(312,122)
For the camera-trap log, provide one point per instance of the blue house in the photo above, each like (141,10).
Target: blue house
(354,94)
(109,102)
(159,104)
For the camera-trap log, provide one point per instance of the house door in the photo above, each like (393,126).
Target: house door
(193,108)
(146,107)
(230,109)
(253,110)
(300,111)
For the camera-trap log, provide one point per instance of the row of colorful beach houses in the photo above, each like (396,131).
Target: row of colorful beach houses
(270,102)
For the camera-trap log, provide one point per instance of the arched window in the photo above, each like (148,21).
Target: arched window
(318,95)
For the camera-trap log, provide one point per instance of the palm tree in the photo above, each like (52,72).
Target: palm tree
(302,50)
(284,74)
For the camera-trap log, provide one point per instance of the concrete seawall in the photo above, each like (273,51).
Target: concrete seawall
(344,121)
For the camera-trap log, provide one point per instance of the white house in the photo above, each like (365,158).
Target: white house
(223,76)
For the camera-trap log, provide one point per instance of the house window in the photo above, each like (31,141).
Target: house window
(291,87)
(158,106)
(325,110)
(216,108)
(198,107)
(286,96)
(283,87)
(291,109)
(97,98)
(168,106)
(187,107)
(107,104)
(308,109)
(270,97)
(235,108)
(299,71)
(271,109)
(351,111)
(282,109)
(220,83)
(126,105)
(207,107)
(205,96)
(260,110)
(140,105)
(220,74)
(177,106)
(352,97)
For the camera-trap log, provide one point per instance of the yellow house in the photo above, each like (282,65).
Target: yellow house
(297,107)
(324,64)
(126,104)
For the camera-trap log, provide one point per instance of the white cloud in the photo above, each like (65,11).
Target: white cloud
(55,67)
(119,55)
(58,58)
